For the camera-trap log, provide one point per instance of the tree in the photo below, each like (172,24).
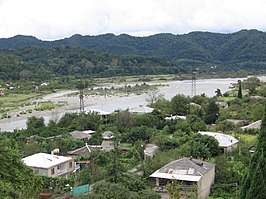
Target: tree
(35,125)
(124,120)
(212,113)
(154,97)
(115,169)
(258,184)
(107,190)
(173,188)
(251,84)
(197,124)
(218,93)
(16,179)
(239,93)
(254,184)
(180,105)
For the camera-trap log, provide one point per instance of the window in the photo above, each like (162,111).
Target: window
(70,165)
(36,171)
(52,171)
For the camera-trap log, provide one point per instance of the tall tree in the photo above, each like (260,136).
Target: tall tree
(212,113)
(254,183)
(239,93)
(16,179)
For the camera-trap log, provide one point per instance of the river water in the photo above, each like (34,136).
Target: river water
(207,86)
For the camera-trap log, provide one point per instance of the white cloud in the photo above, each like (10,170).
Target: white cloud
(53,19)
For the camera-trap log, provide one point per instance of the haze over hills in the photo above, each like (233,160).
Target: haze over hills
(243,50)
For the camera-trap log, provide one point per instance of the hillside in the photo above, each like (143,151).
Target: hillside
(243,50)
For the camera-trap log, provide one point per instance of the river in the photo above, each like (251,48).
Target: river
(112,103)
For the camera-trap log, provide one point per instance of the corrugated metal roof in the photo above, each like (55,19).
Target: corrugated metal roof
(186,169)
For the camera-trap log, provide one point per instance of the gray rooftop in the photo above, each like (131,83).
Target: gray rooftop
(150,149)
(186,169)
(108,135)
(82,134)
(254,125)
(83,150)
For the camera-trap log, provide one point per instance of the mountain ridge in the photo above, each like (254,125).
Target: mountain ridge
(108,54)
(201,46)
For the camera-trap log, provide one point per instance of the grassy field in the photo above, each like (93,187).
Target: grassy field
(16,98)
(250,140)
(135,79)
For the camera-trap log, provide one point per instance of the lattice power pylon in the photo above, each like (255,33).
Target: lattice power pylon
(193,82)
(81,102)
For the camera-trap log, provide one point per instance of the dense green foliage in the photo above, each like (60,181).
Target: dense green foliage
(126,169)
(254,185)
(42,64)
(16,179)
(25,57)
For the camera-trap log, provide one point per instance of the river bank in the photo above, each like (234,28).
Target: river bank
(111,103)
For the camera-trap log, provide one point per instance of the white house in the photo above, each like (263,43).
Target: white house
(191,173)
(51,165)
(226,142)
(104,114)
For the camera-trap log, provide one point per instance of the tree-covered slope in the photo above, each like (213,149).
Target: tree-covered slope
(108,54)
(37,63)
(205,46)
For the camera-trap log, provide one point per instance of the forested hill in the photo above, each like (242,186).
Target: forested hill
(244,45)
(243,50)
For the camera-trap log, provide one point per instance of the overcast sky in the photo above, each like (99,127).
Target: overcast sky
(56,19)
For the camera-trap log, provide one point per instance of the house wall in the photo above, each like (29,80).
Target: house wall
(63,169)
(40,171)
(230,148)
(204,185)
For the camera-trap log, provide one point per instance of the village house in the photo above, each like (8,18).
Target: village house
(51,165)
(104,114)
(82,135)
(106,145)
(84,150)
(254,125)
(193,175)
(227,143)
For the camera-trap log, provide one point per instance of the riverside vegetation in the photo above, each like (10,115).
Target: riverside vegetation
(26,63)
(111,170)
